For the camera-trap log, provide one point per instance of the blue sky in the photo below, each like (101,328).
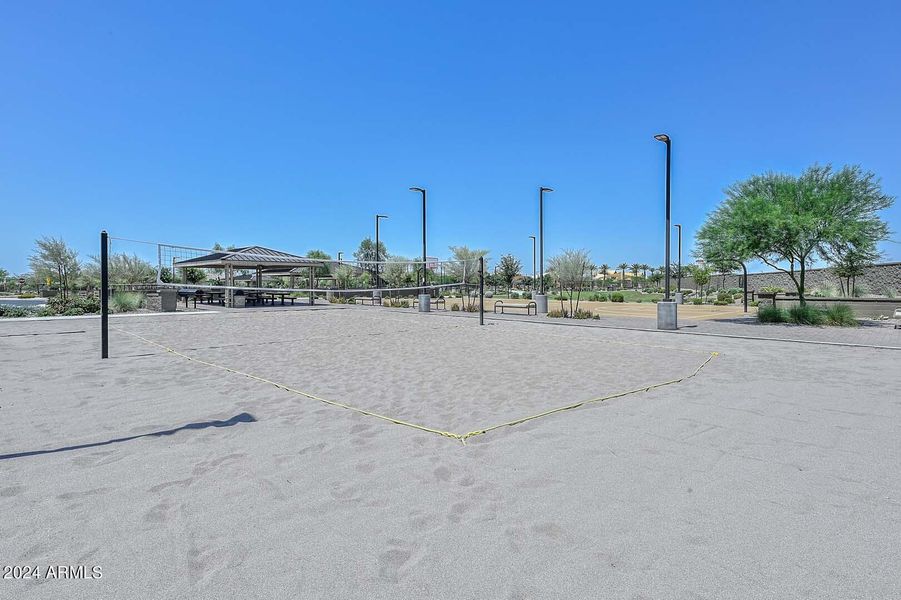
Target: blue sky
(290,125)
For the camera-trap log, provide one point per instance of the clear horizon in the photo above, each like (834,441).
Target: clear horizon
(292,127)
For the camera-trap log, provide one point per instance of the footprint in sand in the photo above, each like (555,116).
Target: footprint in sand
(13,490)
(397,560)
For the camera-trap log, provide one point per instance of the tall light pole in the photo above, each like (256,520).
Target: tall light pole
(679,272)
(424,270)
(662,137)
(340,254)
(541,192)
(533,261)
(377,280)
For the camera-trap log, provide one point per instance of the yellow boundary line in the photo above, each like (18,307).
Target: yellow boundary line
(462,437)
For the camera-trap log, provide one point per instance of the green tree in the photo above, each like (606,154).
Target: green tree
(635,268)
(465,267)
(508,269)
(4,278)
(571,268)
(52,258)
(321,255)
(605,270)
(786,220)
(701,275)
(622,267)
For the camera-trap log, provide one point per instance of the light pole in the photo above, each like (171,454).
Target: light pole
(424,270)
(662,137)
(340,254)
(533,261)
(679,272)
(377,217)
(541,192)
(495,280)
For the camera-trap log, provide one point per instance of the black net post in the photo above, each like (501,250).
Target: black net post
(481,290)
(104,294)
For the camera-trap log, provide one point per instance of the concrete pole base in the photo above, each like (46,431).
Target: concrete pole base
(168,300)
(425,303)
(540,303)
(680,297)
(667,315)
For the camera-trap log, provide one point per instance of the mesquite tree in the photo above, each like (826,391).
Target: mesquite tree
(788,222)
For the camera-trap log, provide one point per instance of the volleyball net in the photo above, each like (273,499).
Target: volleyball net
(147,266)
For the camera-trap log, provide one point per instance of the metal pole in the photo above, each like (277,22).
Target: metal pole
(541,236)
(425,277)
(104,294)
(533,262)
(745,286)
(679,273)
(481,290)
(541,192)
(669,147)
(377,252)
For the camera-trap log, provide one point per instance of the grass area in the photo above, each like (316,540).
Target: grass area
(627,295)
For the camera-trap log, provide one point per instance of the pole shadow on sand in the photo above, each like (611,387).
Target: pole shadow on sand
(241,418)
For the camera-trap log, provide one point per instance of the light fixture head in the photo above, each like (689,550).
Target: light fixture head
(662,137)
(417,189)
(545,189)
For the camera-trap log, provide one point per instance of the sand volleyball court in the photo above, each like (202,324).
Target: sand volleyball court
(255,454)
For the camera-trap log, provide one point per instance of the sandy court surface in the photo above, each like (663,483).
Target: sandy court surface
(771,474)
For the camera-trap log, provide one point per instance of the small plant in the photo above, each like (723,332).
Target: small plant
(397,303)
(697,301)
(721,303)
(455,308)
(617,297)
(771,289)
(596,317)
(27,296)
(772,314)
(602,297)
(556,313)
(805,314)
(120,302)
(639,300)
(841,315)
(581,314)
(754,303)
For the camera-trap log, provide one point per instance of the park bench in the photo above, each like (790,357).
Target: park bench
(372,300)
(439,303)
(528,306)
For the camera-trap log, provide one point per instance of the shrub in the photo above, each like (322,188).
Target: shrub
(27,296)
(841,315)
(639,300)
(527,295)
(771,289)
(58,306)
(721,303)
(602,297)
(806,315)
(122,302)
(472,307)
(16,312)
(455,307)
(596,317)
(617,297)
(397,303)
(753,302)
(771,314)
(556,313)
(735,291)
(74,312)
(697,301)
(582,314)
(723,297)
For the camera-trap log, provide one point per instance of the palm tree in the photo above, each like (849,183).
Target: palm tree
(635,268)
(644,270)
(623,267)
(604,269)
